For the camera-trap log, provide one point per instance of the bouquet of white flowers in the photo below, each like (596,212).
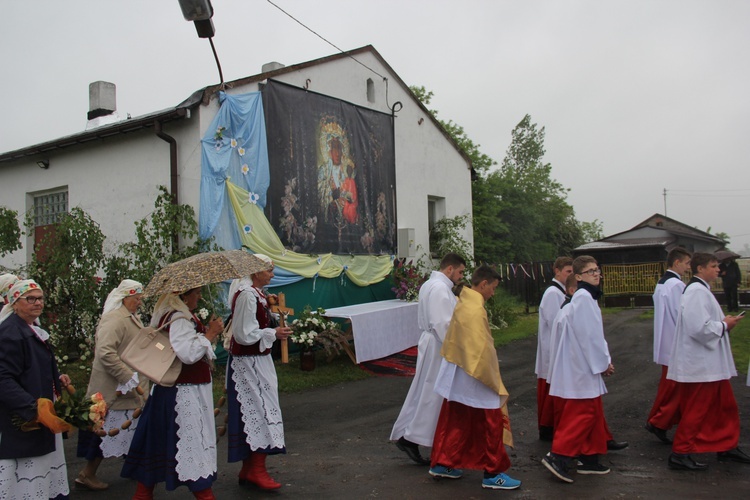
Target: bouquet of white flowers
(312,327)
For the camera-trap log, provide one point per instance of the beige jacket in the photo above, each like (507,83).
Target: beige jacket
(115,331)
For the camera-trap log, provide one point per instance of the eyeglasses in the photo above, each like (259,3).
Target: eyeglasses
(33,299)
(592,272)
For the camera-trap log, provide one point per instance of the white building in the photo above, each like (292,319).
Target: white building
(112,171)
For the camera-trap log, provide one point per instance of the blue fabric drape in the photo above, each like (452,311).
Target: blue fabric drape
(234,147)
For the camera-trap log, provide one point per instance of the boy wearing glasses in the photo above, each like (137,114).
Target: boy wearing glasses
(701,364)
(665,412)
(577,363)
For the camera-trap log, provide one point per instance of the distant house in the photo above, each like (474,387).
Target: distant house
(112,169)
(650,241)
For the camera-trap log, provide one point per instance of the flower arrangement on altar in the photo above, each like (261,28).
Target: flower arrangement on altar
(312,327)
(408,279)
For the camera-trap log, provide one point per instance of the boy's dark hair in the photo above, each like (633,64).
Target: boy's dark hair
(484,272)
(677,253)
(580,262)
(452,259)
(701,259)
(561,262)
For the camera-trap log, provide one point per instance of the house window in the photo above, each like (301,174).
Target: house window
(435,212)
(370,90)
(49,207)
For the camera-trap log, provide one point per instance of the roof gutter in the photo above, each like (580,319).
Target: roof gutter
(173,177)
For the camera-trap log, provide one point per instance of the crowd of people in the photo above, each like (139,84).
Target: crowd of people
(456,402)
(170,435)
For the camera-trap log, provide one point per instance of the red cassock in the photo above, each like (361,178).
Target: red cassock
(545,404)
(470,438)
(581,428)
(710,420)
(666,410)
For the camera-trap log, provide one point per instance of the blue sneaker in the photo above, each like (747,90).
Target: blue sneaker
(443,471)
(501,482)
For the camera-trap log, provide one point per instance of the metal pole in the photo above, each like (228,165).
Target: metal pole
(665,202)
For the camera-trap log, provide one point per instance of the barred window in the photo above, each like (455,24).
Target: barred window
(48,208)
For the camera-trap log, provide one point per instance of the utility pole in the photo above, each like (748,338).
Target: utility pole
(665,202)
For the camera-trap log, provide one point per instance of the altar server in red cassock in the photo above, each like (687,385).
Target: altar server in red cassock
(701,363)
(549,307)
(579,359)
(665,412)
(473,426)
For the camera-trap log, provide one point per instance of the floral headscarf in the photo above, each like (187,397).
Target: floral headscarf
(6,282)
(16,292)
(126,288)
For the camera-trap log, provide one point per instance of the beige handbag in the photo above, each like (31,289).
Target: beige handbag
(151,355)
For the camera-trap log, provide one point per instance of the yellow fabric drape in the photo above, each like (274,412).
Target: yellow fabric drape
(469,345)
(362,270)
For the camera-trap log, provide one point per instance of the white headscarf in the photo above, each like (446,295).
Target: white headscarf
(167,303)
(6,282)
(126,288)
(16,292)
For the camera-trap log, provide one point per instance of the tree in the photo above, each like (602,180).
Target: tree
(10,232)
(592,231)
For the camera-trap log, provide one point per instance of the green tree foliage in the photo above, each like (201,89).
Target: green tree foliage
(10,232)
(592,231)
(67,274)
(446,237)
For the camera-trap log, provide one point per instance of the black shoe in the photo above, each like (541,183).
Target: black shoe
(684,462)
(545,433)
(557,465)
(412,450)
(660,433)
(613,445)
(735,455)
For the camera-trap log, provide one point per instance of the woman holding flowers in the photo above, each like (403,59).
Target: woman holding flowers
(121,387)
(175,441)
(32,462)
(255,426)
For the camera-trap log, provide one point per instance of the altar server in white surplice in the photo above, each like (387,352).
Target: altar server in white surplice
(702,365)
(416,423)
(549,307)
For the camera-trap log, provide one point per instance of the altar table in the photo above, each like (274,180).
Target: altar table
(380,328)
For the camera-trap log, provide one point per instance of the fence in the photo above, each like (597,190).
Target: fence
(622,284)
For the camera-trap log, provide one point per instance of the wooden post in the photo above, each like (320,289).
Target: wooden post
(280,307)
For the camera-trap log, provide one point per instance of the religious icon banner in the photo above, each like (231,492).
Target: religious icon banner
(333,175)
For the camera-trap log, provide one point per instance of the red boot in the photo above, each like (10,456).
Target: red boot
(143,492)
(245,471)
(206,494)
(258,474)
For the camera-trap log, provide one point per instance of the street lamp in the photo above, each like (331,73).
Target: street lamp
(201,12)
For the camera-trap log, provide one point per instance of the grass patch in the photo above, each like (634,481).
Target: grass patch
(326,373)
(740,336)
(647,314)
(525,325)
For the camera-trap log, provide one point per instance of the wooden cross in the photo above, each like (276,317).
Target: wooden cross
(283,311)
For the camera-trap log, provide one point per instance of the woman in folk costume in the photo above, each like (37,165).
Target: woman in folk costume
(32,462)
(473,427)
(115,380)
(175,441)
(255,426)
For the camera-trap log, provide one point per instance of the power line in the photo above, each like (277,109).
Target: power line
(328,42)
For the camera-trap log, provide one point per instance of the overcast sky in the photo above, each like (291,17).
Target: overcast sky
(636,96)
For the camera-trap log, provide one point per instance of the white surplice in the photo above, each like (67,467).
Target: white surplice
(548,308)
(667,298)
(419,414)
(580,352)
(701,351)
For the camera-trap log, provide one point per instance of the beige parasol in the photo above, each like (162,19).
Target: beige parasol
(203,269)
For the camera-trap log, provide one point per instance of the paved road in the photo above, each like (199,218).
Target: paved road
(338,441)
